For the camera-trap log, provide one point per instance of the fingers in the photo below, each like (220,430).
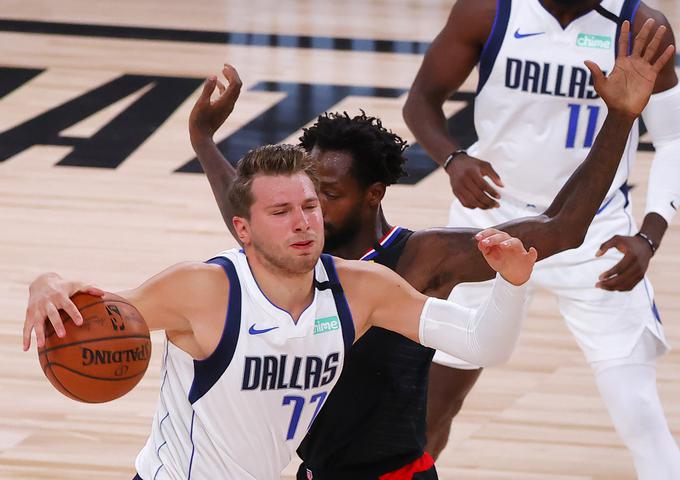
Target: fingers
(533,254)
(55,319)
(615,241)
(480,198)
(221,87)
(626,276)
(231,75)
(208,89)
(487,170)
(598,75)
(39,328)
(617,269)
(641,38)
(485,187)
(494,238)
(92,290)
(486,233)
(664,58)
(653,46)
(623,39)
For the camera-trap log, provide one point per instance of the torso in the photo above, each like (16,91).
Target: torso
(535,89)
(242,411)
(374,420)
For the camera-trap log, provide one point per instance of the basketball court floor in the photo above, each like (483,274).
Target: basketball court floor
(98,182)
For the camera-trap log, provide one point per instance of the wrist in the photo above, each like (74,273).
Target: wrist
(448,160)
(650,243)
(200,139)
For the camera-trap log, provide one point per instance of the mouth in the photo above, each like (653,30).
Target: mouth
(303,245)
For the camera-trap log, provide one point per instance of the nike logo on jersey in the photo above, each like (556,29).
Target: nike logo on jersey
(253,331)
(673,205)
(525,35)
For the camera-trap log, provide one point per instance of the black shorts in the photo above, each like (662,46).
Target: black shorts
(420,469)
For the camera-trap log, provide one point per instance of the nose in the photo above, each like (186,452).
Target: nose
(301,220)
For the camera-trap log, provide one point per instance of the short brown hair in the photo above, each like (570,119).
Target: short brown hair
(269,160)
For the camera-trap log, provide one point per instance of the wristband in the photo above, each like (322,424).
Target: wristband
(451,157)
(648,240)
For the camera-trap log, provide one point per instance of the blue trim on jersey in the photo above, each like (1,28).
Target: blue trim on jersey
(493,44)
(628,11)
(341,305)
(208,371)
(193,447)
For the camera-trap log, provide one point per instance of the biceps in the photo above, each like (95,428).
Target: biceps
(155,308)
(400,312)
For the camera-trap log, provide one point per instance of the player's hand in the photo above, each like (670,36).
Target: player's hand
(466,175)
(506,255)
(630,84)
(48,294)
(208,115)
(630,269)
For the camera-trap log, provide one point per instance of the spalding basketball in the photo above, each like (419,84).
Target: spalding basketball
(102,359)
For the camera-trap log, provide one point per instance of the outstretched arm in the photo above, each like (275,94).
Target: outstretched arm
(565,223)
(483,336)
(206,117)
(179,300)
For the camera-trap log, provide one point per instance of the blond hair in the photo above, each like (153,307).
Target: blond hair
(270,160)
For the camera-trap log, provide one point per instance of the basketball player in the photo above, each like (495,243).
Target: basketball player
(256,338)
(385,375)
(536,115)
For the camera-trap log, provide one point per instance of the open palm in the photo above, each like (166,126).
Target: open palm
(630,84)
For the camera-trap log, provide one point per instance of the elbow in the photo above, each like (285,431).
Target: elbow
(573,238)
(407,109)
(495,357)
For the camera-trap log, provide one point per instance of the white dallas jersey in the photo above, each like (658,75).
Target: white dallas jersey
(536,111)
(240,413)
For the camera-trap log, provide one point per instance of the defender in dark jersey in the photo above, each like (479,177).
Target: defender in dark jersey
(373,423)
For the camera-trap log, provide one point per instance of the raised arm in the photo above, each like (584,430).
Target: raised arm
(662,118)
(206,117)
(484,336)
(565,223)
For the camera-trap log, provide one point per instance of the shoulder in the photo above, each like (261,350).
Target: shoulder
(193,282)
(472,19)
(646,12)
(667,77)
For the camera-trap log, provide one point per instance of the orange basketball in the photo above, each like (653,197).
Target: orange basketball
(102,359)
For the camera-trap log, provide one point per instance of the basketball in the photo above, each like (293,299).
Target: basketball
(102,359)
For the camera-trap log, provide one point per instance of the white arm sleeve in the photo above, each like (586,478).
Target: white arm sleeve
(662,118)
(485,336)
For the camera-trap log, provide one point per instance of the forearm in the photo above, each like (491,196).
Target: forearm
(485,336)
(425,117)
(577,202)
(220,174)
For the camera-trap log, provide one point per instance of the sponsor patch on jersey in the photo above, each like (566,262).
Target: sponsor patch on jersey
(326,324)
(594,41)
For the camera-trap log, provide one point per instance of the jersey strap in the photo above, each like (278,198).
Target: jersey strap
(383,243)
(494,42)
(208,371)
(341,305)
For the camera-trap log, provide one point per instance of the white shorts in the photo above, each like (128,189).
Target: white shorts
(606,325)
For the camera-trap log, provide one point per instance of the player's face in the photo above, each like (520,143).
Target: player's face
(342,198)
(286,225)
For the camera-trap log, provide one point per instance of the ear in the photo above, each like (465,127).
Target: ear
(242,229)
(375,194)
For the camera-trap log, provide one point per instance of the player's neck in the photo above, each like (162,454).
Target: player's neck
(567,13)
(288,291)
(365,239)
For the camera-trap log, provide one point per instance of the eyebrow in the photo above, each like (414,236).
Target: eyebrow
(287,204)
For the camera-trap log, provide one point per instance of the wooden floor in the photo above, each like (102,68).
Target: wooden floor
(538,417)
